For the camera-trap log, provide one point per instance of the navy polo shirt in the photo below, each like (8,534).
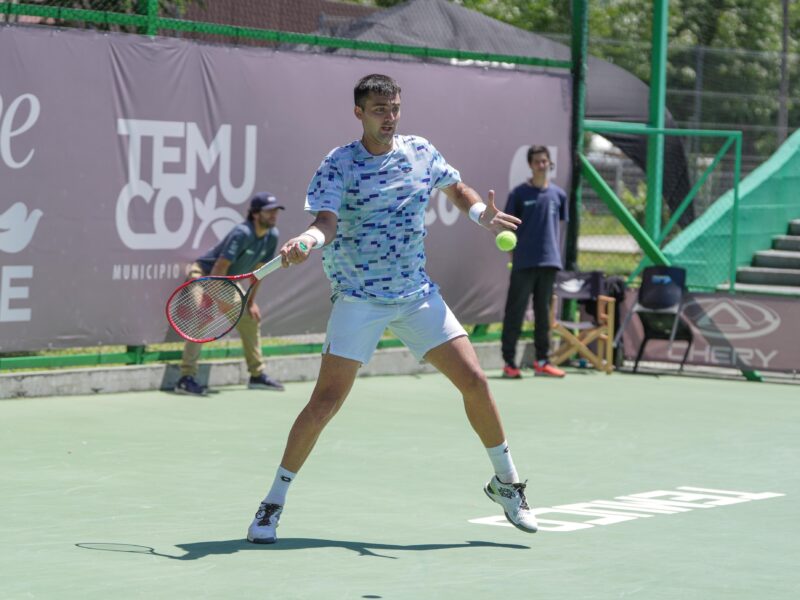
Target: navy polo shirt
(540,209)
(243,248)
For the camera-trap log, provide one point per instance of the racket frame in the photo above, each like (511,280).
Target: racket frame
(255,276)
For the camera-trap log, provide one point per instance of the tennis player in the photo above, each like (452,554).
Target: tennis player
(369,199)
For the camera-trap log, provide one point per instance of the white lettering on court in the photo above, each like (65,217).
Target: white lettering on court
(644,505)
(176,149)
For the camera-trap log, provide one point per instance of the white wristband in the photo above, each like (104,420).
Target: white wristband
(317,235)
(476,210)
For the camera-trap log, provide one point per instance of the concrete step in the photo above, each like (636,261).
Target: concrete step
(769,290)
(768,276)
(786,242)
(777,259)
(794,227)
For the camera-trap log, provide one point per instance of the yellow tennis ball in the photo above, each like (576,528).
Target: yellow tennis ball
(506,240)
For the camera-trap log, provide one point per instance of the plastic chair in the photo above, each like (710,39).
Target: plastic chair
(577,336)
(659,305)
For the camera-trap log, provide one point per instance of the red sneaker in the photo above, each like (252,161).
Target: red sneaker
(511,372)
(546,369)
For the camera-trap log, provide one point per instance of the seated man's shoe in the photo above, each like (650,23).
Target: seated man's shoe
(188,385)
(265,382)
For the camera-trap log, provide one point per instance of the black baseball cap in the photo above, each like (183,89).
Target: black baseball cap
(264,200)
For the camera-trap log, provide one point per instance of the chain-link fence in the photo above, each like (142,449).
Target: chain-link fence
(292,16)
(707,88)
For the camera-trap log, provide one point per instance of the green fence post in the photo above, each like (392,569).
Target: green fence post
(658,93)
(580,34)
(480,330)
(618,209)
(135,355)
(152,17)
(737,165)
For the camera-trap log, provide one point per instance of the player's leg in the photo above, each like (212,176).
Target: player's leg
(354,329)
(336,377)
(431,331)
(519,293)
(250,335)
(458,361)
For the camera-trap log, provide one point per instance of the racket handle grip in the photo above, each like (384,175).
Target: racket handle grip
(268,268)
(273,265)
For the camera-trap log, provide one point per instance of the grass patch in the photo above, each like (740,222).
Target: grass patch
(601,225)
(610,263)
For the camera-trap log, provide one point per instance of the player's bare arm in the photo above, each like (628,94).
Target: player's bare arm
(319,234)
(467,200)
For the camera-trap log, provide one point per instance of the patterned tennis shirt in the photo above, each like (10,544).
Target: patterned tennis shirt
(378,253)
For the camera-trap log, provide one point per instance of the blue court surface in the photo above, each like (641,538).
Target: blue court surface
(646,487)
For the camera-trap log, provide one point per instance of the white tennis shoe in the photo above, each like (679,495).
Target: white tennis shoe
(262,529)
(511,496)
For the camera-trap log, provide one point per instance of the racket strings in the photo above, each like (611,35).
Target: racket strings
(206,308)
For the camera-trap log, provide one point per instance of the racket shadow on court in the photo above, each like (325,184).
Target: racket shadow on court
(197,550)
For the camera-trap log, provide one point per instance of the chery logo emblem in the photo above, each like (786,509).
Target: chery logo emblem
(732,319)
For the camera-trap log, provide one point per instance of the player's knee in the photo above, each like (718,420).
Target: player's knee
(324,406)
(475,383)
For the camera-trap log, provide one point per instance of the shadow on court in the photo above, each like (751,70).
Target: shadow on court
(198,550)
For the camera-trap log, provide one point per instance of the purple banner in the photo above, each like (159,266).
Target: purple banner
(122,158)
(739,331)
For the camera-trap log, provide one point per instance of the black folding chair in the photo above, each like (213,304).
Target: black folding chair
(659,305)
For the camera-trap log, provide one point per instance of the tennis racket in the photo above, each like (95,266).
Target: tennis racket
(206,308)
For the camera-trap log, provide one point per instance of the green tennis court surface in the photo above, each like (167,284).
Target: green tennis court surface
(390,504)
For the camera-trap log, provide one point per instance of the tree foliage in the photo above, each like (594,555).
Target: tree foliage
(726,49)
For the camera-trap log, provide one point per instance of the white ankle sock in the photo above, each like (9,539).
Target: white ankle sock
(503,464)
(280,487)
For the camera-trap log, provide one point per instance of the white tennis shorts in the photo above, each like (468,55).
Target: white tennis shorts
(355,326)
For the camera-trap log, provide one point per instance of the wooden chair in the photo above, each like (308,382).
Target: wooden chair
(576,337)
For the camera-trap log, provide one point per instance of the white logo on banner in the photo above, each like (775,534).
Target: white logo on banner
(726,320)
(17,225)
(168,185)
(732,319)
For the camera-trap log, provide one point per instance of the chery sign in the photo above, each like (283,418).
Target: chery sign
(737,331)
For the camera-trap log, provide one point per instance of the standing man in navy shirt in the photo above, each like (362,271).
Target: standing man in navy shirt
(543,208)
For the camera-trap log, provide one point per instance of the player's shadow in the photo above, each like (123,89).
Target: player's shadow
(198,550)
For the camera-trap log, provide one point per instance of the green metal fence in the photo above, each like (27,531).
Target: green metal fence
(144,17)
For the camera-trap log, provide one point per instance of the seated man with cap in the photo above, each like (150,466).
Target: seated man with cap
(248,246)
